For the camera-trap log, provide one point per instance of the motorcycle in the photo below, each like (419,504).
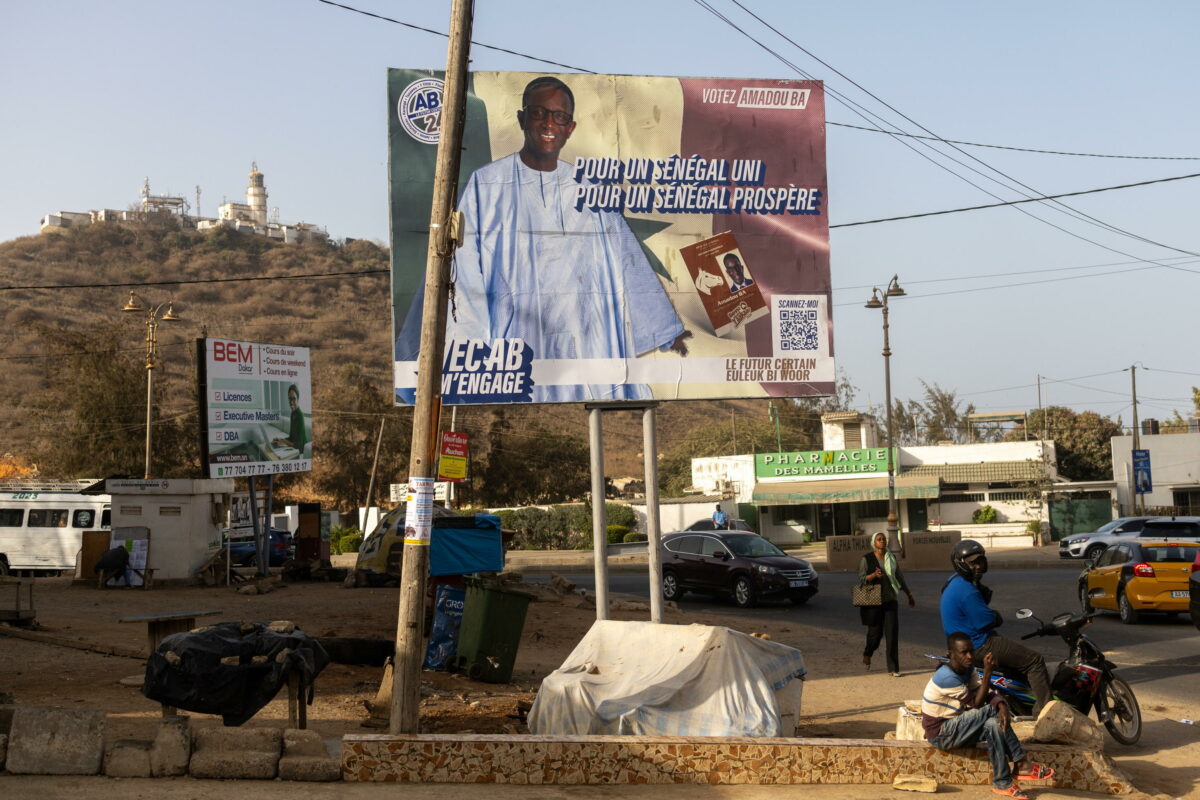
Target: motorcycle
(1085,680)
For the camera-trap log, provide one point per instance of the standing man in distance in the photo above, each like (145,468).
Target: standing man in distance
(571,283)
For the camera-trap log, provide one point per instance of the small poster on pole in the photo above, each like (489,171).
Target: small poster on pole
(452,465)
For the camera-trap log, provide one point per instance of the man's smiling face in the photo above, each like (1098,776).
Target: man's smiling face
(545,138)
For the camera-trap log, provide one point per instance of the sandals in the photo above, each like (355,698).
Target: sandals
(867,662)
(1036,772)
(1012,791)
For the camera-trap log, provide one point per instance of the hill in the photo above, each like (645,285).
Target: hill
(61,284)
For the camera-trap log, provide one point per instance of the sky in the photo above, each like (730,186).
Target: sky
(97,96)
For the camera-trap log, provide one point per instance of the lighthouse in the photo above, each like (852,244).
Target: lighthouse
(256,196)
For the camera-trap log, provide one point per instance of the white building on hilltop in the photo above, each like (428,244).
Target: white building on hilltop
(248,217)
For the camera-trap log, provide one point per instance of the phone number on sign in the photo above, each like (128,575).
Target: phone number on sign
(247,470)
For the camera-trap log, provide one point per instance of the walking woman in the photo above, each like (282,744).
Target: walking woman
(879,566)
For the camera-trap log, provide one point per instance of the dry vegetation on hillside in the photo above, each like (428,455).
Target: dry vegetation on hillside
(344,319)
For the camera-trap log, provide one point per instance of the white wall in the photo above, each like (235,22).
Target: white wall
(1174,461)
(976,453)
(184,517)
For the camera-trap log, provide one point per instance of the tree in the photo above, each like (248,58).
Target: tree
(1082,440)
(712,439)
(91,415)
(937,417)
(532,466)
(346,426)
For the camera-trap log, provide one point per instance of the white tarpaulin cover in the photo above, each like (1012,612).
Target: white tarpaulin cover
(648,679)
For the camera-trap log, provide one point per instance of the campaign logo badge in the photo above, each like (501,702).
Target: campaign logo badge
(420,109)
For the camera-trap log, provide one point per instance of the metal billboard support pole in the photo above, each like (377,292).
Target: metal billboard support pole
(653,534)
(599,516)
(406,675)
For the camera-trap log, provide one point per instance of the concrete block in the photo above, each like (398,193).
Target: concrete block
(235,753)
(297,742)
(908,723)
(1059,722)
(915,783)
(172,748)
(231,765)
(237,740)
(128,758)
(56,741)
(310,768)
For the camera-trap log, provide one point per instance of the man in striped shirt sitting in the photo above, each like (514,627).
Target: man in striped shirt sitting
(957,711)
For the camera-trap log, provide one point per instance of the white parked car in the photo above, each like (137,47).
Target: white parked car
(1090,545)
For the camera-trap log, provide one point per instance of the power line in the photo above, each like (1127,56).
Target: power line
(192,281)
(1008,147)
(863,112)
(1018,202)
(446,36)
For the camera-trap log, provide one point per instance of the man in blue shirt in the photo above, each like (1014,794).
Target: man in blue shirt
(957,712)
(720,518)
(965,609)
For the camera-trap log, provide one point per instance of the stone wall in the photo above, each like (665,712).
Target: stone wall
(601,760)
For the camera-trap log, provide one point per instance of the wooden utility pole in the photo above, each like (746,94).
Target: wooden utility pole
(1139,502)
(406,675)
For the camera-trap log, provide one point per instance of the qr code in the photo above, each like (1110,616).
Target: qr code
(798,330)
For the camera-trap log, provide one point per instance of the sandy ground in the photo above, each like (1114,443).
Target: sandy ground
(839,699)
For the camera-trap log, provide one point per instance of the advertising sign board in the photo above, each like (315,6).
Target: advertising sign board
(253,400)
(452,466)
(862,463)
(1142,482)
(623,238)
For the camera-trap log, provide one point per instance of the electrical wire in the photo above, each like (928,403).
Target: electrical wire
(1015,149)
(1018,202)
(447,36)
(863,112)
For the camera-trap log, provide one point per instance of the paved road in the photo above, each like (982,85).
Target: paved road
(1159,656)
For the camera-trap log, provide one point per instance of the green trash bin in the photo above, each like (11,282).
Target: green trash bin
(490,632)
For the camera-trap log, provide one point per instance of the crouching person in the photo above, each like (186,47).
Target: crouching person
(957,712)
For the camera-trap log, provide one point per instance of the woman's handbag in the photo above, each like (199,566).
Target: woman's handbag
(869,595)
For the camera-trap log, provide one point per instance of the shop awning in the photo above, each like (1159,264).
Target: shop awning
(844,490)
(982,472)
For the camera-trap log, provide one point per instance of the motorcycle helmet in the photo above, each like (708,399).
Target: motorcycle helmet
(968,550)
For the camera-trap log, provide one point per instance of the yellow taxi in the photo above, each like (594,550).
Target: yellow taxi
(1134,577)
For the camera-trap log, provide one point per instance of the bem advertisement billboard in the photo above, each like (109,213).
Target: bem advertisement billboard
(623,238)
(255,408)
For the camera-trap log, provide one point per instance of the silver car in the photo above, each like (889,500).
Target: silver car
(1090,545)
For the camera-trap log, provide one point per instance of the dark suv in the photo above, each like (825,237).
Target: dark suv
(242,552)
(743,565)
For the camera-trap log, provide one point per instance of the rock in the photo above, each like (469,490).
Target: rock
(133,681)
(915,783)
(561,585)
(1061,723)
(249,588)
(628,605)
(172,658)
(55,741)
(908,725)
(172,748)
(309,768)
(258,659)
(128,758)
(282,626)
(237,753)
(231,661)
(306,758)
(282,655)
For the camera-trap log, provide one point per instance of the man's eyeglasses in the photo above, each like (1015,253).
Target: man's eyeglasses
(539,113)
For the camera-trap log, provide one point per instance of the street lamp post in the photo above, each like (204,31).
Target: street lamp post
(153,317)
(879,299)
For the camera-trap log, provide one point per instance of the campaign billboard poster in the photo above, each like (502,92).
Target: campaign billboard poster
(1143,482)
(623,238)
(256,408)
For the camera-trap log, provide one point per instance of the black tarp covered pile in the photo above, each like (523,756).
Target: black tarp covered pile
(231,668)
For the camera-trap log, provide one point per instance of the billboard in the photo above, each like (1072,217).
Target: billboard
(255,408)
(624,238)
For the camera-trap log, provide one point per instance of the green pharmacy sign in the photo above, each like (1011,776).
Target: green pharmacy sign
(824,463)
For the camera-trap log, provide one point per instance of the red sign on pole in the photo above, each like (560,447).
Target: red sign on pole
(452,465)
